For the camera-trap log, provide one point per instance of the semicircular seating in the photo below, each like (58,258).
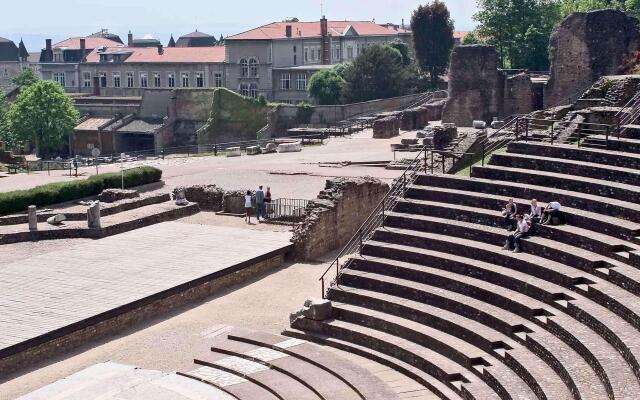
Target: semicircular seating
(434,295)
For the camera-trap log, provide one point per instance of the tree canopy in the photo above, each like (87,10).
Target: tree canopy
(433,40)
(25,78)
(42,114)
(326,86)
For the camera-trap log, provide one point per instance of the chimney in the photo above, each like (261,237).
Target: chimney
(324,33)
(160,49)
(288,30)
(48,53)
(130,39)
(83,48)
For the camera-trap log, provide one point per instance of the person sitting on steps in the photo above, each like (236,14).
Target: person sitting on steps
(552,214)
(509,212)
(536,212)
(522,230)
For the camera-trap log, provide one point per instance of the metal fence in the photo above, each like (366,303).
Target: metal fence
(286,208)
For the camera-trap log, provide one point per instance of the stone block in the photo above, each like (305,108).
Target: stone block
(113,195)
(181,198)
(271,148)
(497,124)
(56,219)
(318,309)
(479,124)
(289,147)
(253,150)
(409,141)
(385,128)
(93,216)
(33,218)
(233,152)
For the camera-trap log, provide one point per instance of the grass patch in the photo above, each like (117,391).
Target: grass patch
(60,192)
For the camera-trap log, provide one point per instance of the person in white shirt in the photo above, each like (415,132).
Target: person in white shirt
(552,214)
(536,212)
(509,212)
(522,230)
(248,207)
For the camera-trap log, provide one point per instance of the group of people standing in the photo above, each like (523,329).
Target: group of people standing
(262,203)
(523,225)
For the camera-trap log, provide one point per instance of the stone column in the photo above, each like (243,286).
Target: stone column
(93,215)
(33,218)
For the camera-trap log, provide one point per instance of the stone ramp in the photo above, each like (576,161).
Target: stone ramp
(113,381)
(55,301)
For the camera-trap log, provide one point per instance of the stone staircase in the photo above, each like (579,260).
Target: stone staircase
(433,295)
(251,365)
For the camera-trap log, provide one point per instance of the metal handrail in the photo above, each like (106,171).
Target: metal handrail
(377,216)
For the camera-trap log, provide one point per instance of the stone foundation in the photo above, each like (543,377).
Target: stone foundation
(335,216)
(385,128)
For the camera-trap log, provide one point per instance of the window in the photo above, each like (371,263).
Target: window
(103,79)
(244,89)
(306,55)
(157,82)
(60,78)
(285,81)
(244,68)
(319,53)
(185,79)
(57,57)
(86,79)
(217,77)
(253,67)
(116,79)
(313,54)
(253,90)
(129,79)
(171,79)
(270,54)
(199,79)
(336,52)
(301,82)
(349,51)
(144,80)
(295,59)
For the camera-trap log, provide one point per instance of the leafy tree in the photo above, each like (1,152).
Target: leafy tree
(570,6)
(341,68)
(404,51)
(471,38)
(4,108)
(326,87)
(42,114)
(377,73)
(25,78)
(432,38)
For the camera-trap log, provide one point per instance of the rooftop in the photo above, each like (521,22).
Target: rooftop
(90,43)
(169,55)
(277,30)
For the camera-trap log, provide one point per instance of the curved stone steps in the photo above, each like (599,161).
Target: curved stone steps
(501,379)
(527,268)
(597,206)
(361,381)
(428,381)
(432,363)
(538,375)
(622,146)
(581,184)
(586,239)
(568,364)
(568,167)
(571,152)
(456,270)
(231,384)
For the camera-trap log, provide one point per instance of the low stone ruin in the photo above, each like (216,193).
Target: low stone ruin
(315,309)
(419,117)
(440,136)
(208,197)
(253,150)
(335,215)
(113,195)
(233,152)
(289,147)
(385,128)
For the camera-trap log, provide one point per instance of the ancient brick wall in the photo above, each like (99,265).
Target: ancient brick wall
(475,85)
(586,46)
(518,95)
(386,128)
(335,216)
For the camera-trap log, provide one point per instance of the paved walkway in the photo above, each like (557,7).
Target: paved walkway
(46,292)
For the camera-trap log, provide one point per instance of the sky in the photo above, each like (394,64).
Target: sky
(161,18)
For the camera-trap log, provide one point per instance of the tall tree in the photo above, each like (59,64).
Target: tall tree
(471,38)
(377,73)
(433,40)
(42,114)
(326,87)
(25,78)
(4,109)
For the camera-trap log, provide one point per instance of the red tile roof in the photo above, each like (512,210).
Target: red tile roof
(170,54)
(277,30)
(460,35)
(90,43)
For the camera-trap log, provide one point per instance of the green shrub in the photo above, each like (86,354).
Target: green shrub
(53,193)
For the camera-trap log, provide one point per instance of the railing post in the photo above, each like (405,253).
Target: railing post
(425,160)
(162,153)
(383,207)
(431,161)
(607,137)
(553,124)
(360,238)
(526,131)
(322,279)
(579,135)
(483,150)
(404,184)
(443,162)
(470,163)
